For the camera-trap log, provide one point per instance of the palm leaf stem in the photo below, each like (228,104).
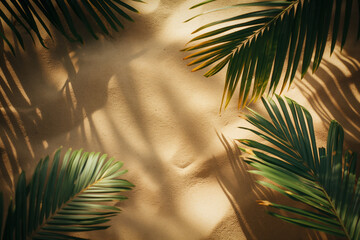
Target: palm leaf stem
(280,36)
(36,231)
(257,32)
(68,197)
(326,181)
(317,182)
(333,209)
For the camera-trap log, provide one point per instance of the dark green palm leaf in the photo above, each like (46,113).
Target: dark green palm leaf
(262,49)
(68,196)
(323,179)
(32,15)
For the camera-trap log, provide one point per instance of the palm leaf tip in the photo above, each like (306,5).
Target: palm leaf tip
(201,4)
(73,197)
(264,203)
(265,47)
(324,179)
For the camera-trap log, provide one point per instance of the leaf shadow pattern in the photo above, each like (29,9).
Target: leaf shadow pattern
(161,171)
(89,96)
(242,191)
(35,109)
(334,93)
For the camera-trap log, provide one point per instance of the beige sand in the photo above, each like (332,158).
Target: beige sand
(133,97)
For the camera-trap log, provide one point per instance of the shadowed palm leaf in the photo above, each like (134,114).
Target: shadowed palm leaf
(323,179)
(256,45)
(31,15)
(69,198)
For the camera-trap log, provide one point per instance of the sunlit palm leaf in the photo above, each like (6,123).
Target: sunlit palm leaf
(323,179)
(68,196)
(32,15)
(262,49)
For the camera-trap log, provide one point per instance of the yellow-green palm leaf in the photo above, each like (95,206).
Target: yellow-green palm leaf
(262,49)
(324,179)
(65,196)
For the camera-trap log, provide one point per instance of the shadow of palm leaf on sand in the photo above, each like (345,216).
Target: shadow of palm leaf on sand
(334,93)
(242,191)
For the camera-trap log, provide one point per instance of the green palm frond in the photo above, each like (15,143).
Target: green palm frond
(69,196)
(32,15)
(262,49)
(323,179)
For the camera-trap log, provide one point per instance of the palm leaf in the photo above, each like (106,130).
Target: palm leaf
(262,49)
(68,196)
(32,15)
(324,179)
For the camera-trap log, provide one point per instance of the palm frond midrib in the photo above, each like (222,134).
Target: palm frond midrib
(333,209)
(62,206)
(317,181)
(256,33)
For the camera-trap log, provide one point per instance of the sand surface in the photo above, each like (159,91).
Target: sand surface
(133,97)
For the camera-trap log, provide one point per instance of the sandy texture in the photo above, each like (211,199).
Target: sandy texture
(133,97)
